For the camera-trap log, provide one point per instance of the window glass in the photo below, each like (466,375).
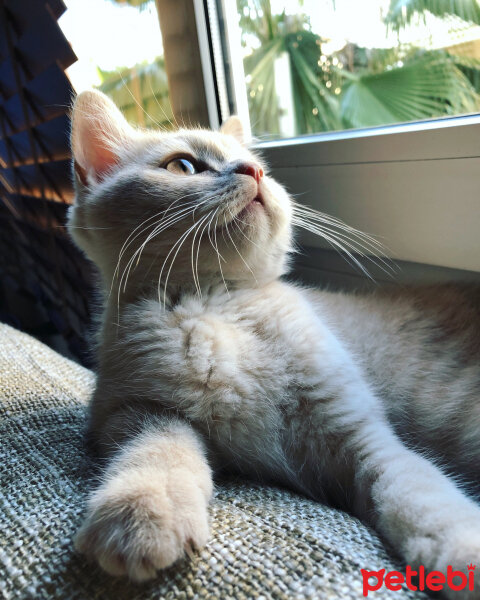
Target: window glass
(119,49)
(322,65)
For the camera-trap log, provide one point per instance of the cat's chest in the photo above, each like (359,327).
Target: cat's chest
(241,373)
(231,361)
(221,367)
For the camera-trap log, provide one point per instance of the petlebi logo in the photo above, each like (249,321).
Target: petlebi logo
(434,581)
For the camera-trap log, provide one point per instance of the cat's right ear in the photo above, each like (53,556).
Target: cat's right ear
(99,130)
(233,126)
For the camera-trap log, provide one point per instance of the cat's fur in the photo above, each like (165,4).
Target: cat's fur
(365,401)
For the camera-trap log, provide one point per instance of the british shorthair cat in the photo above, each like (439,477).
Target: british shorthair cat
(208,360)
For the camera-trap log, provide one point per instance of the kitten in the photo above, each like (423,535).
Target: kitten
(209,361)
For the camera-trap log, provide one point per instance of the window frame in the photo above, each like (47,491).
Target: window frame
(414,186)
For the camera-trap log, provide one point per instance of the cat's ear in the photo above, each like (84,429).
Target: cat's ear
(233,126)
(99,130)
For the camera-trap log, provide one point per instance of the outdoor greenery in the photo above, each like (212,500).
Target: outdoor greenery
(141,92)
(351,88)
(355,87)
(402,11)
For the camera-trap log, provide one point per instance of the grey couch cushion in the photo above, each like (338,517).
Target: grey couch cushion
(265,542)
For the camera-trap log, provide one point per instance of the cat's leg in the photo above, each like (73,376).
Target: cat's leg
(410,501)
(424,515)
(151,505)
(421,511)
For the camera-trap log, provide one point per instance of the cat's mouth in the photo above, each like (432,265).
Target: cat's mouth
(252,205)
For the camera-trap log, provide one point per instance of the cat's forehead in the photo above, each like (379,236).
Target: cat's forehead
(209,146)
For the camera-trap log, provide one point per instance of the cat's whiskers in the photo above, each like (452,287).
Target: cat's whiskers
(196,280)
(155,225)
(361,246)
(158,227)
(337,244)
(236,222)
(365,250)
(351,234)
(219,256)
(173,219)
(180,243)
(138,103)
(347,238)
(215,214)
(129,240)
(161,226)
(207,225)
(333,242)
(218,253)
(163,212)
(325,219)
(180,240)
(235,246)
(161,108)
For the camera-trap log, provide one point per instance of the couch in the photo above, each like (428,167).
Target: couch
(265,542)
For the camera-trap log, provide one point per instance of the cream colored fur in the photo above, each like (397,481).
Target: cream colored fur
(363,401)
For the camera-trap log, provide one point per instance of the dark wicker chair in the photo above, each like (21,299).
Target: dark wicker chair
(45,282)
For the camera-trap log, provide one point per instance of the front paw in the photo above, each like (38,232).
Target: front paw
(450,554)
(140,524)
(460,551)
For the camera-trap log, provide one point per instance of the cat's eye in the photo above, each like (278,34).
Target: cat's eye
(181,166)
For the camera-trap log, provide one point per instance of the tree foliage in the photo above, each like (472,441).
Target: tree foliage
(401,12)
(355,87)
(141,92)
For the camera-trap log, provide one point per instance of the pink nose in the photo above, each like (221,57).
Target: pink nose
(246,168)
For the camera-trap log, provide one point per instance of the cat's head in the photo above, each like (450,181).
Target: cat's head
(191,205)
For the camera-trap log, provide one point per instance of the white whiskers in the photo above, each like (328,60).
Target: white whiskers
(350,242)
(344,239)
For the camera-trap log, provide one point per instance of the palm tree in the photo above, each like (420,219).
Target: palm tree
(315,107)
(355,87)
(423,84)
(141,92)
(401,12)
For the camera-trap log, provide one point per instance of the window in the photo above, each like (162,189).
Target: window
(119,49)
(374,124)
(322,65)
(353,154)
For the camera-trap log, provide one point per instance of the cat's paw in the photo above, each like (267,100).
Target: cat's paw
(135,528)
(452,552)
(460,551)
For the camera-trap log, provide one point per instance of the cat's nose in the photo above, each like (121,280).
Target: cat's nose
(248,168)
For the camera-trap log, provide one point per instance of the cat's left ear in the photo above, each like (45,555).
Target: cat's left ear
(233,126)
(99,131)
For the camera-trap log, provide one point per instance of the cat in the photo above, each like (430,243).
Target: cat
(209,361)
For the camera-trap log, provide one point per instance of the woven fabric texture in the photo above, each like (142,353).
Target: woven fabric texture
(265,542)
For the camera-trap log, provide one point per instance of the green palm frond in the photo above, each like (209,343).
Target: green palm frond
(426,87)
(400,12)
(263,104)
(471,69)
(316,109)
